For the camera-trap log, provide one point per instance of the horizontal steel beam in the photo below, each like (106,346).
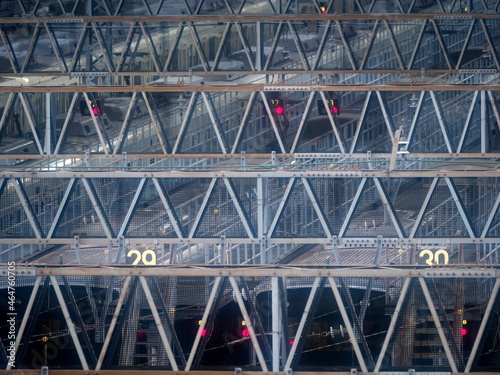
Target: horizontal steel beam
(164,372)
(255,87)
(454,271)
(299,70)
(248,18)
(219,173)
(352,242)
(438,157)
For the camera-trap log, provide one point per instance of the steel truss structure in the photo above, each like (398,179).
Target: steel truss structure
(261,176)
(118,39)
(419,308)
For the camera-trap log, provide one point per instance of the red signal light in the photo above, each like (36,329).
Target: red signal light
(323,10)
(464,331)
(279,106)
(245,332)
(203,332)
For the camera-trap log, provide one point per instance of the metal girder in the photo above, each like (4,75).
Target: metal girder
(348,241)
(115,67)
(344,157)
(221,372)
(256,87)
(218,173)
(463,271)
(248,17)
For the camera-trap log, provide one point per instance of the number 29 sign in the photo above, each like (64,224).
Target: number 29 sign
(141,256)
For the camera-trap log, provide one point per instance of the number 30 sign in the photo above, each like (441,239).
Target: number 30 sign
(432,257)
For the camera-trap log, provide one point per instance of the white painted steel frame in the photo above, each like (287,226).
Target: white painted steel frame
(276,272)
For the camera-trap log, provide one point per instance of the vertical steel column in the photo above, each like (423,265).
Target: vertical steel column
(276,323)
(47,144)
(484,125)
(260,216)
(69,322)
